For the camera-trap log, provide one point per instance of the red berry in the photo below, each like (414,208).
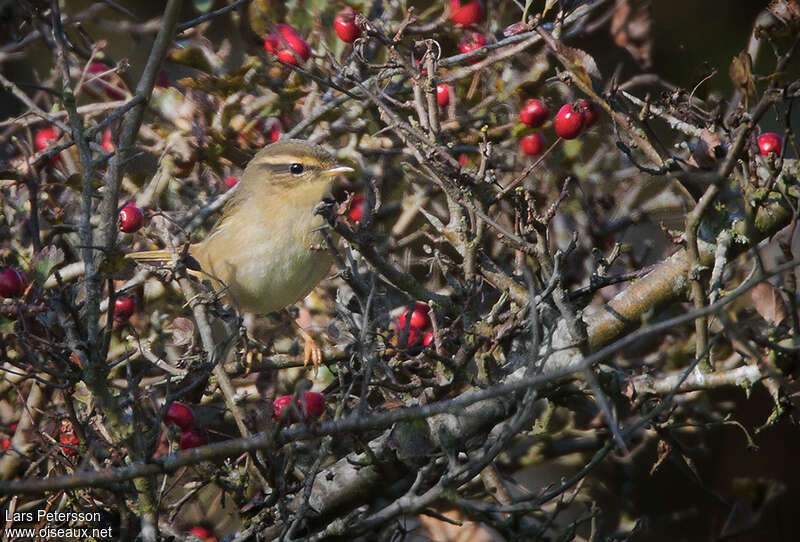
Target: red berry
(70,441)
(284,36)
(427,339)
(203,534)
(569,122)
(192,439)
(285,55)
(11,282)
(103,84)
(275,131)
(358,205)
(179,414)
(162,80)
(124,307)
(463,159)
(769,142)
(279,404)
(471,42)
(315,404)
(532,144)
(443,94)
(469,13)
(73,358)
(131,218)
(96,67)
(45,137)
(412,336)
(66,436)
(419,318)
(345,26)
(5,443)
(591,112)
(534,113)
(108,141)
(230,182)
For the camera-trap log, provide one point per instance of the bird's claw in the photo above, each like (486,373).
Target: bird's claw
(311,352)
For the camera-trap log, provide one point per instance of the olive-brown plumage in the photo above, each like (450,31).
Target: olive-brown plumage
(266,248)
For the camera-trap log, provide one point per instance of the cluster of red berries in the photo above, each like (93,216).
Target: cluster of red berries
(48,135)
(182,416)
(570,121)
(312,406)
(414,327)
(466,14)
(12,282)
(287,45)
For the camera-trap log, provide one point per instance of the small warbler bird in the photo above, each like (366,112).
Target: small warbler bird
(265,252)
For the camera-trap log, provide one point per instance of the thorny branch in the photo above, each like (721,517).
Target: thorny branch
(540,302)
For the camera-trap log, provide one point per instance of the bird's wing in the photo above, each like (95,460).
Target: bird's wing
(164,257)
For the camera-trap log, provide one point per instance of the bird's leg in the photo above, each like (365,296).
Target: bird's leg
(311,351)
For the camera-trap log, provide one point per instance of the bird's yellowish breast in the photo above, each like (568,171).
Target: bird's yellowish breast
(264,252)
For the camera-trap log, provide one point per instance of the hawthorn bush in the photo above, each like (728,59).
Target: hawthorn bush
(563,305)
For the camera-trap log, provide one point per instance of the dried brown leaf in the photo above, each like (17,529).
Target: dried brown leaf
(580,63)
(182,331)
(468,531)
(663,450)
(631,28)
(741,73)
(707,150)
(768,302)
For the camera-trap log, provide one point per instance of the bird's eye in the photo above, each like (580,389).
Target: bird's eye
(296,169)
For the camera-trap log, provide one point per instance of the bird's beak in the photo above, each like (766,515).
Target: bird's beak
(337,170)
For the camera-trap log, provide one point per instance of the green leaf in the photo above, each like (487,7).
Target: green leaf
(6,325)
(203,6)
(548,6)
(411,439)
(45,261)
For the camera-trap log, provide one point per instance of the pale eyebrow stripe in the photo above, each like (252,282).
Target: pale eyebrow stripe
(289,159)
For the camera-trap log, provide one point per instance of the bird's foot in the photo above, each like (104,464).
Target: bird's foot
(311,351)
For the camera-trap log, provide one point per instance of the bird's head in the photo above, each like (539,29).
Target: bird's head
(291,163)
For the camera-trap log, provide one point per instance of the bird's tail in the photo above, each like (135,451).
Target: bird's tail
(153,256)
(163,256)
